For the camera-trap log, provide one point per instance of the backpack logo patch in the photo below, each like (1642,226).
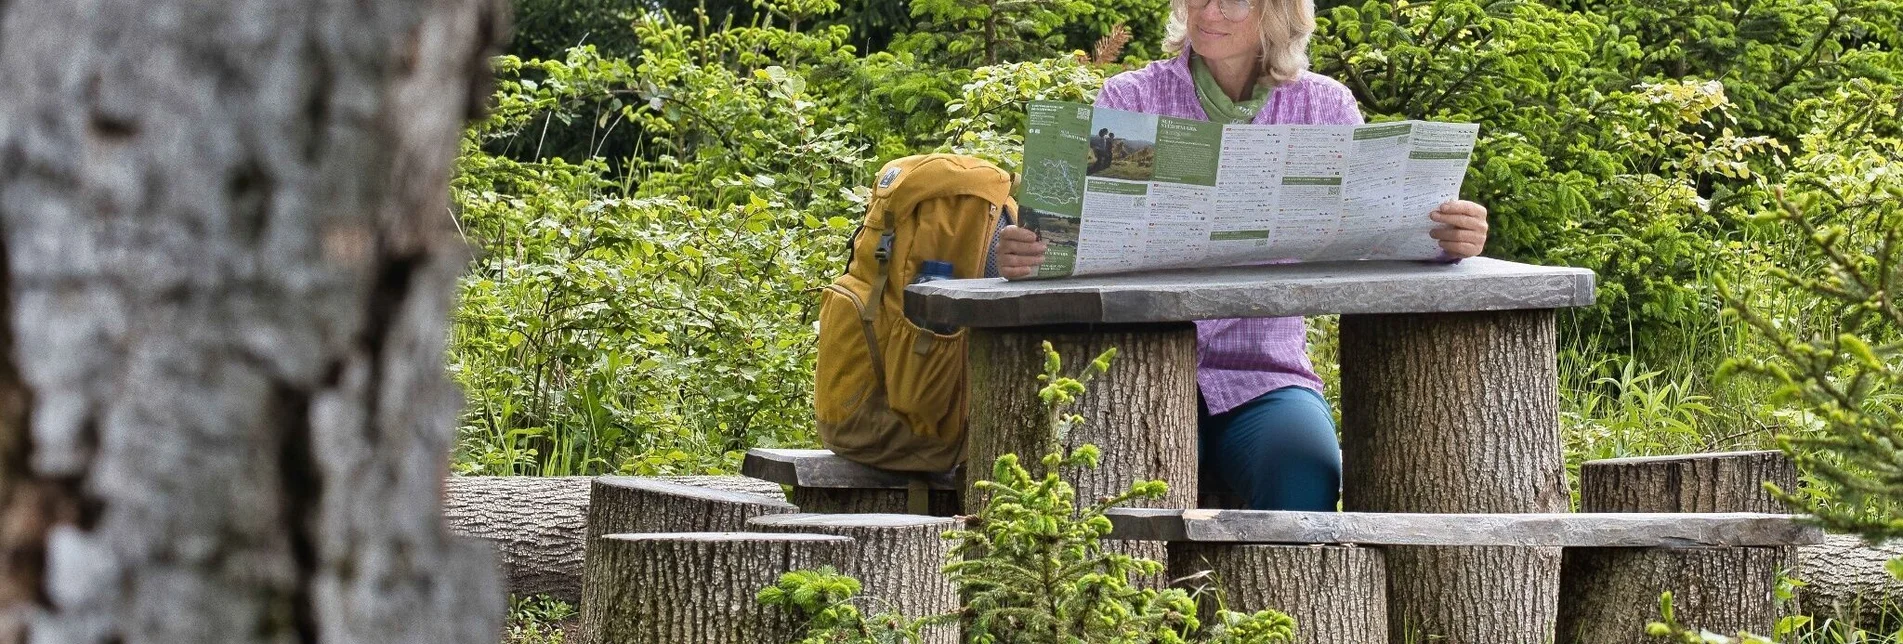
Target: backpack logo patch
(891,175)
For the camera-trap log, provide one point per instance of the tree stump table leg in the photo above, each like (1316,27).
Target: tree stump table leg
(1337,594)
(1141,414)
(1454,413)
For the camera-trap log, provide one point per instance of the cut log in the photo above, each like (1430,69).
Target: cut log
(539,524)
(1337,594)
(729,484)
(631,504)
(1845,580)
(1143,437)
(1609,594)
(1457,413)
(1141,414)
(897,558)
(697,587)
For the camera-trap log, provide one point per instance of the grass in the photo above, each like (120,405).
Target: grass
(539,619)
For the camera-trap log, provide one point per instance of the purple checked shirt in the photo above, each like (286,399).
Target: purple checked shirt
(1238,360)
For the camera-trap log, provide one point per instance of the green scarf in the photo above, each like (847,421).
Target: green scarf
(1216,103)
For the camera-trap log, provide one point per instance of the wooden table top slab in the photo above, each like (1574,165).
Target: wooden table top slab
(1313,288)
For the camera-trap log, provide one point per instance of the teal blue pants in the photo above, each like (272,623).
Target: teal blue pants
(1277,452)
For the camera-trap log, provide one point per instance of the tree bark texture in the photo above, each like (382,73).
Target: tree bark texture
(1141,413)
(943,503)
(1451,412)
(1722,590)
(1477,595)
(539,523)
(1731,482)
(626,504)
(897,558)
(698,587)
(1609,594)
(1337,594)
(228,265)
(1846,580)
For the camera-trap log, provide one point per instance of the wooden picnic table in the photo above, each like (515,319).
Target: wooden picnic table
(1449,400)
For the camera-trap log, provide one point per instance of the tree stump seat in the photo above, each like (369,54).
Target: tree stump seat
(671,588)
(620,505)
(897,558)
(1610,593)
(827,483)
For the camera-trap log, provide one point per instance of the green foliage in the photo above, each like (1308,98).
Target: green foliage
(1769,54)
(987,119)
(828,601)
(655,322)
(546,28)
(1834,332)
(1846,201)
(653,315)
(972,33)
(1031,565)
(537,619)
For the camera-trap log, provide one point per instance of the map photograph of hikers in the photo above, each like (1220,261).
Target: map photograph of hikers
(1122,145)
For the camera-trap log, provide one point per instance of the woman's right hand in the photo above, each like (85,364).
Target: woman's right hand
(1019,252)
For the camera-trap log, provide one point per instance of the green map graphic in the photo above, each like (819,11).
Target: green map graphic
(1055,183)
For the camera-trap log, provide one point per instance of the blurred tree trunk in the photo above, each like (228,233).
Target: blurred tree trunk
(227,263)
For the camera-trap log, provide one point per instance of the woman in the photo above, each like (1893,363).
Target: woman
(1266,433)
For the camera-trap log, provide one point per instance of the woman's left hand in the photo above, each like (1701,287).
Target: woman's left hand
(1463,228)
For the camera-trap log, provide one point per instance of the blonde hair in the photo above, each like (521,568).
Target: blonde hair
(1285,26)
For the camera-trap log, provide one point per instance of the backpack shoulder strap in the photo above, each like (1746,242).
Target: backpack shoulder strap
(905,182)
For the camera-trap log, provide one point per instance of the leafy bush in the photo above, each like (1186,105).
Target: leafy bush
(1841,366)
(656,322)
(1846,369)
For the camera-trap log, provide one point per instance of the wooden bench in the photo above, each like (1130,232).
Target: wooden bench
(1558,530)
(826,483)
(1449,401)
(1330,570)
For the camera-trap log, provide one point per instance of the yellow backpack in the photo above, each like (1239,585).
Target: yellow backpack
(888,393)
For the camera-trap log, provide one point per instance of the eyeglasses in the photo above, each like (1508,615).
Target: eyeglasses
(1231,9)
